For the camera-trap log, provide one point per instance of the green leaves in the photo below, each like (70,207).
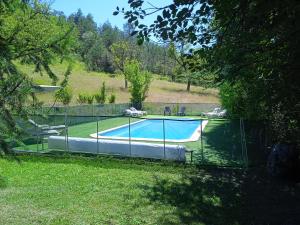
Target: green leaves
(181,20)
(29,34)
(159,18)
(139,82)
(166,14)
(133,33)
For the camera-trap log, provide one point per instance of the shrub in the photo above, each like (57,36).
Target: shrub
(103,92)
(101,98)
(82,99)
(90,99)
(85,98)
(98,98)
(112,98)
(64,95)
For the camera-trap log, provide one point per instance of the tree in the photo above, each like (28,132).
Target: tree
(139,82)
(83,23)
(119,51)
(183,61)
(31,35)
(254,44)
(109,34)
(179,21)
(95,58)
(192,66)
(122,52)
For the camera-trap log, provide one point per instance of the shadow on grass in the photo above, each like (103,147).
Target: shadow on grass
(205,195)
(266,200)
(212,196)
(221,144)
(227,196)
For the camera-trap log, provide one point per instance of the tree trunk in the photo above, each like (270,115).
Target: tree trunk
(188,87)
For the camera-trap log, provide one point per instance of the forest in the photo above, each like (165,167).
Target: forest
(98,46)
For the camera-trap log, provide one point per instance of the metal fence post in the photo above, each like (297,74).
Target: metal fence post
(201,139)
(66,131)
(129,135)
(97,135)
(164,134)
(36,135)
(93,109)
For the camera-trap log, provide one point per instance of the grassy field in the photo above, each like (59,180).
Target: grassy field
(42,190)
(87,190)
(220,143)
(82,81)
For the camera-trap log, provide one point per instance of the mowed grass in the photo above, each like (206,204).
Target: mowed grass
(65,190)
(78,190)
(82,81)
(220,143)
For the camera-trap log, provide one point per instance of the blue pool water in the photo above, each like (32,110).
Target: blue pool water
(175,130)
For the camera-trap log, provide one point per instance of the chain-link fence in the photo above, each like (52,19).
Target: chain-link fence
(156,108)
(85,110)
(175,108)
(193,139)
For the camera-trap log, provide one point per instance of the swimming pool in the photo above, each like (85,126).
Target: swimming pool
(183,130)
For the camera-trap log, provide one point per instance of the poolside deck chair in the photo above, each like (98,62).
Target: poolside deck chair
(222,114)
(167,111)
(134,112)
(217,112)
(181,111)
(46,126)
(42,131)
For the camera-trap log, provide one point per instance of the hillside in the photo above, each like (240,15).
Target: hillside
(82,81)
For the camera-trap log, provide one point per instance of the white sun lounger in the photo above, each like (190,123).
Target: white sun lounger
(134,112)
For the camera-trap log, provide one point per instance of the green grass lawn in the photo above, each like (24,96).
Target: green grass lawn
(220,143)
(75,190)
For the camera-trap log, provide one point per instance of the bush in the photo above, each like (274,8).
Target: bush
(90,99)
(101,98)
(98,98)
(240,99)
(85,99)
(112,98)
(82,99)
(64,95)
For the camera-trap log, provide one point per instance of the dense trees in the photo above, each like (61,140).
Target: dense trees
(105,48)
(254,45)
(31,35)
